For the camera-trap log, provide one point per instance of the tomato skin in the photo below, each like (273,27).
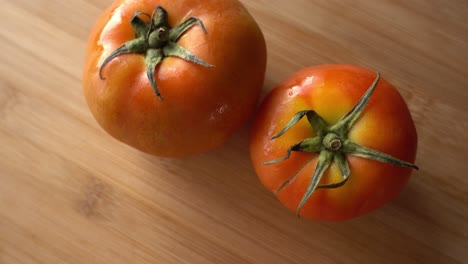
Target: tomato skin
(202,106)
(332,90)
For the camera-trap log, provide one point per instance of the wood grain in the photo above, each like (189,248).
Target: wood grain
(71,194)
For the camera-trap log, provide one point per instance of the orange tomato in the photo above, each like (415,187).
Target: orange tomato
(354,155)
(174,78)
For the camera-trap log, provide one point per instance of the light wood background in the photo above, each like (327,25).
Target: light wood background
(69,193)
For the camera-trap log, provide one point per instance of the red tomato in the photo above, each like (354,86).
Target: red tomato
(350,136)
(174,78)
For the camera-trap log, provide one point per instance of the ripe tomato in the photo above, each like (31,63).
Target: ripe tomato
(174,78)
(334,142)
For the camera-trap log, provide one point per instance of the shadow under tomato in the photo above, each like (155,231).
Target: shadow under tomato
(400,232)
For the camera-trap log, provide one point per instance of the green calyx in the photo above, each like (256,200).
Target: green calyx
(332,145)
(156,40)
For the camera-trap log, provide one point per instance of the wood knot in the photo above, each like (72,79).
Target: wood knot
(96,200)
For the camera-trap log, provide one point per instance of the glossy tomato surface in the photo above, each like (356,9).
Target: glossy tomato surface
(332,90)
(202,106)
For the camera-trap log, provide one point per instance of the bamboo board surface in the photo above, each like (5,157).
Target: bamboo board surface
(69,193)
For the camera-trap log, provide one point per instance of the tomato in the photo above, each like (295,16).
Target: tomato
(334,142)
(174,78)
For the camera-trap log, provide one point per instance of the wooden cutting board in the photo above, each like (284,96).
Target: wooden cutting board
(69,193)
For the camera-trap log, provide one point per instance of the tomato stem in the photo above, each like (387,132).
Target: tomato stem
(156,40)
(331,143)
